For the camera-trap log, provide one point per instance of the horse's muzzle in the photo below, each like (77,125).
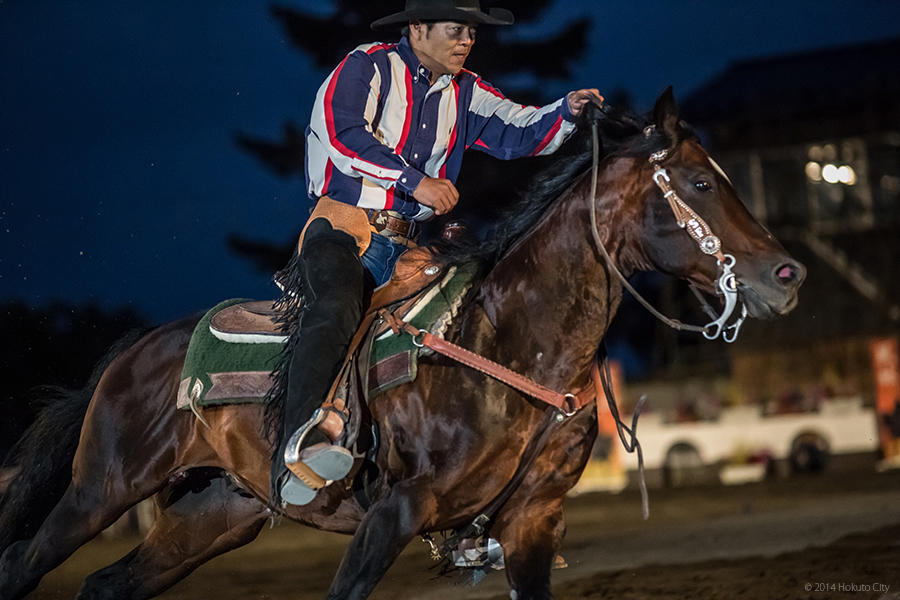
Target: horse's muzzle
(774,292)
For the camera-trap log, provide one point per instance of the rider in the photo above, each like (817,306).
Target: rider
(384,147)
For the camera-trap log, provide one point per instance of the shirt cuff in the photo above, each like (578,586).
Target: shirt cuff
(410,179)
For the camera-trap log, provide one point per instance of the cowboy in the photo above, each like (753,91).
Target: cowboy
(384,147)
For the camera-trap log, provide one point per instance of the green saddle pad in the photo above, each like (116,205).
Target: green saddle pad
(220,372)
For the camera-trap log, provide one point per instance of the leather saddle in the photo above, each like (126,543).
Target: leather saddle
(255,322)
(417,271)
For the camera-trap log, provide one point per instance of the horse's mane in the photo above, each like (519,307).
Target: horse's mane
(621,134)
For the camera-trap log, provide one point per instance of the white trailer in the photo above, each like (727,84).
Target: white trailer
(686,452)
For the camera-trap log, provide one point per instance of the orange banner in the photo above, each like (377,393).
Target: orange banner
(606,422)
(886,367)
(604,470)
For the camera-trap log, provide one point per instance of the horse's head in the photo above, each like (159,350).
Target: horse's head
(767,277)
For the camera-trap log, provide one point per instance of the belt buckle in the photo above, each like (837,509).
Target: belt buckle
(380,221)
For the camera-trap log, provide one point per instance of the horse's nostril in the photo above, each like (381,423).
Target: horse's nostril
(788,273)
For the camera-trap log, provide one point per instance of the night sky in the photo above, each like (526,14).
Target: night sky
(119,176)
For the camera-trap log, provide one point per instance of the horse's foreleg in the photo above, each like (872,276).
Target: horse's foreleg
(387,528)
(531,536)
(200,516)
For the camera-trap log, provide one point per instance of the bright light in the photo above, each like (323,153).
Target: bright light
(813,171)
(830,173)
(846,175)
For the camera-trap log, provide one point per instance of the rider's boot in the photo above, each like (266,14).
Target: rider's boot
(334,287)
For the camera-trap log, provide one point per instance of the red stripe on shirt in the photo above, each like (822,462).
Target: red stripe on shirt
(408,120)
(328,167)
(329,121)
(355,168)
(389,197)
(369,162)
(378,47)
(498,93)
(553,131)
(329,114)
(443,171)
(490,89)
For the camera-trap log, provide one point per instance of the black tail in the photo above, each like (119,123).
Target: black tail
(44,453)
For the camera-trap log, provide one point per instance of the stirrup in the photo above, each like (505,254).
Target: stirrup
(319,466)
(295,442)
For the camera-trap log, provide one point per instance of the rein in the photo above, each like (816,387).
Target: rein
(697,228)
(567,404)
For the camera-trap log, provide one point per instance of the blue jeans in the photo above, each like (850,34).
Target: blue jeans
(380,258)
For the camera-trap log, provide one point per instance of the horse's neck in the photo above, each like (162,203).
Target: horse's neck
(550,298)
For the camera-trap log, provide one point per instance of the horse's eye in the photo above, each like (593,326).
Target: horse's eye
(702,186)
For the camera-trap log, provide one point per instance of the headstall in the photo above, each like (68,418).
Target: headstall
(699,230)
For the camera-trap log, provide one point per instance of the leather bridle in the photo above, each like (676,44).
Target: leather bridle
(562,405)
(688,219)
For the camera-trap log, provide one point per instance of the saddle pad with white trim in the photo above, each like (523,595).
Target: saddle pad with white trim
(235,368)
(217,371)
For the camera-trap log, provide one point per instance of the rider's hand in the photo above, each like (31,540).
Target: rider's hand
(579,98)
(439,194)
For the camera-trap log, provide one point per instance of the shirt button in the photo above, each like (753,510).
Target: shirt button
(424,125)
(415,156)
(403,180)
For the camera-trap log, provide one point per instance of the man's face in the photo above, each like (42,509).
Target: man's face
(444,46)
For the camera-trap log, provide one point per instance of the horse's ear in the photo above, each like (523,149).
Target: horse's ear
(665,113)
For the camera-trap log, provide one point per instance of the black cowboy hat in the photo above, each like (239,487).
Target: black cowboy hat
(466,11)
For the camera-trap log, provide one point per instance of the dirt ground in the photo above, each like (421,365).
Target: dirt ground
(812,538)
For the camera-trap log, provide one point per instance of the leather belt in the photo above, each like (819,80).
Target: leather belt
(390,223)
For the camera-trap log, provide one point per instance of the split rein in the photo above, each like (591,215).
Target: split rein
(567,404)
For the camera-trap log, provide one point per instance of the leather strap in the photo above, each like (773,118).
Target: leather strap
(306,475)
(568,403)
(351,350)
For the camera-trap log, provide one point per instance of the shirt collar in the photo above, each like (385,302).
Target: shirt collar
(412,61)
(416,67)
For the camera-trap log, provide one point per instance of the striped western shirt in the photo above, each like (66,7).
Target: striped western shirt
(378,127)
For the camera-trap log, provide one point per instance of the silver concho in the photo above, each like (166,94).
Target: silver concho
(660,156)
(710,244)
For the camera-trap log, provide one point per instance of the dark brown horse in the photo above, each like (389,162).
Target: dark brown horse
(450,440)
